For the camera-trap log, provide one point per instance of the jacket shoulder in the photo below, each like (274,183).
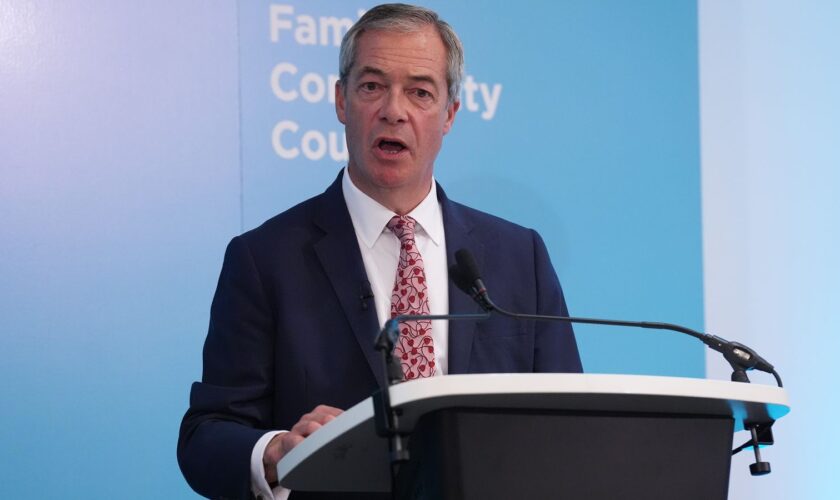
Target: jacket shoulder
(291,224)
(488,223)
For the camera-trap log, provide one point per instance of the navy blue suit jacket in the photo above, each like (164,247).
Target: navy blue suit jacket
(290,329)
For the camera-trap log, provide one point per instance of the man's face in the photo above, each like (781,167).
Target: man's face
(394,106)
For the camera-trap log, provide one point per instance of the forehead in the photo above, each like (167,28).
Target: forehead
(397,54)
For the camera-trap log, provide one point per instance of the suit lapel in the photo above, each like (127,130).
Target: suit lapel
(339,254)
(458,235)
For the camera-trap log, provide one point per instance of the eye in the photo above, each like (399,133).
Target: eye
(423,94)
(369,87)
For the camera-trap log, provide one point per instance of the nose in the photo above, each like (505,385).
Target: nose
(393,108)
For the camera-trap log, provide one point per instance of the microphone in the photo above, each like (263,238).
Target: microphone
(466,276)
(386,419)
(365,293)
(390,333)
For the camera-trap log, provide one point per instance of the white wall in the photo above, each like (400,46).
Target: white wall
(770,145)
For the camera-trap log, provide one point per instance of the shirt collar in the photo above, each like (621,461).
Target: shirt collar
(370,218)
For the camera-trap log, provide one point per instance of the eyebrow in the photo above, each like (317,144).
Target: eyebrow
(370,70)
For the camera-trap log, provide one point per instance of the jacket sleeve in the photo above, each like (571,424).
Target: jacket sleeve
(555,348)
(230,409)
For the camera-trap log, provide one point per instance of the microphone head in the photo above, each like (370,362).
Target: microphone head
(465,274)
(458,277)
(467,265)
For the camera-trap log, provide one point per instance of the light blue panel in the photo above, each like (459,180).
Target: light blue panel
(596,145)
(119,187)
(272,183)
(771,95)
(594,142)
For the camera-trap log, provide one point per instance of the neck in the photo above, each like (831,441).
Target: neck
(401,200)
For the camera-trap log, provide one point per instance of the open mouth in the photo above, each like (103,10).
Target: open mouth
(391,146)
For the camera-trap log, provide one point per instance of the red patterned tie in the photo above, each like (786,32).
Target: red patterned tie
(415,347)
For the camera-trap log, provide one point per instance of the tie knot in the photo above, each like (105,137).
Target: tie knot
(402,226)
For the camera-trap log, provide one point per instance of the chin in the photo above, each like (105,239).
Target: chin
(390,178)
(388,174)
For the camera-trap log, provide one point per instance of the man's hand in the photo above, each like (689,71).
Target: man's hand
(283,443)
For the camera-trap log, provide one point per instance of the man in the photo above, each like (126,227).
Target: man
(301,298)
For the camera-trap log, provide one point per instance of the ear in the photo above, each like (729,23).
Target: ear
(340,110)
(451,109)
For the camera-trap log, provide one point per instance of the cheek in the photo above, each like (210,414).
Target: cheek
(434,132)
(357,122)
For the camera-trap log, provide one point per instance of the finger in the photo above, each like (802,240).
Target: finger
(274,450)
(319,418)
(322,415)
(328,410)
(273,453)
(306,427)
(290,440)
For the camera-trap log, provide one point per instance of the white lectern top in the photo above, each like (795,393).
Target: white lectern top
(357,459)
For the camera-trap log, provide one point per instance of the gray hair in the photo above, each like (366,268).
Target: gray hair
(404,18)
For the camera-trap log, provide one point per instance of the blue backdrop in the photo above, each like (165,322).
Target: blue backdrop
(136,140)
(590,136)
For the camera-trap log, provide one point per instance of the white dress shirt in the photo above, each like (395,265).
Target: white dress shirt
(380,249)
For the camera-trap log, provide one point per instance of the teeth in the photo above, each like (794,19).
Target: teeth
(391,147)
